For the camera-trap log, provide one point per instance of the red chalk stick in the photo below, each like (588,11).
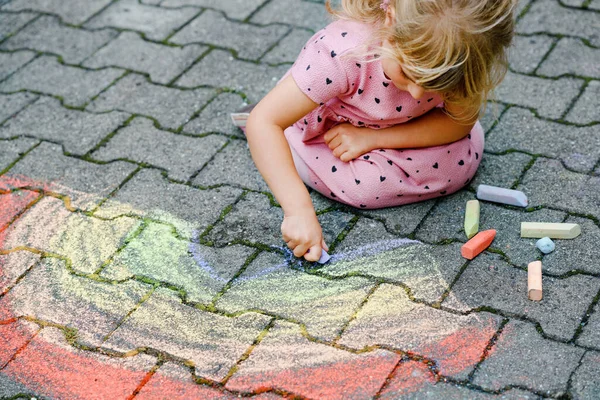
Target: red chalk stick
(479,243)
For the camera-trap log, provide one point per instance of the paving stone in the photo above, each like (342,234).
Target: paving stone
(11,104)
(68,13)
(249,41)
(585,383)
(14,336)
(46,168)
(306,14)
(149,195)
(548,183)
(232,166)
(454,342)
(77,131)
(550,98)
(585,110)
(573,3)
(578,148)
(401,220)
(13,266)
(288,361)
(237,9)
(201,271)
(322,305)
(500,170)
(170,107)
(527,52)
(181,156)
(575,254)
(288,48)
(594,5)
(14,204)
(491,282)
(367,250)
(174,382)
(11,23)
(10,150)
(215,117)
(156,23)
(493,111)
(320,202)
(46,34)
(220,70)
(547,16)
(521,6)
(11,62)
(162,63)
(87,242)
(522,357)
(591,336)
(75,85)
(54,369)
(572,56)
(214,343)
(50,293)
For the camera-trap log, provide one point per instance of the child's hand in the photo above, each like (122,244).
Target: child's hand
(349,142)
(303,235)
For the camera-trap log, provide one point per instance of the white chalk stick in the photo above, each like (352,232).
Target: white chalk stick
(472,218)
(502,195)
(534,281)
(324,257)
(553,231)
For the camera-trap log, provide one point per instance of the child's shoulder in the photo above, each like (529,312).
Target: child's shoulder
(343,35)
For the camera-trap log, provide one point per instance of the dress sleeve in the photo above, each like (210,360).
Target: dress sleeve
(320,70)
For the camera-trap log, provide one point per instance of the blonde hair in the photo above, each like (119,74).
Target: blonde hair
(455,47)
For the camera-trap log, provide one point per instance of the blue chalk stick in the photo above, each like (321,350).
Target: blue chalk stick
(324,257)
(546,245)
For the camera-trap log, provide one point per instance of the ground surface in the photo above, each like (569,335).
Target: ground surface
(139,248)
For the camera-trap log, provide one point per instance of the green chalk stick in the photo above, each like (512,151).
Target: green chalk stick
(472,218)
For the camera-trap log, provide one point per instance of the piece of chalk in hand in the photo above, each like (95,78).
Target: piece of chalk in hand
(545,244)
(324,257)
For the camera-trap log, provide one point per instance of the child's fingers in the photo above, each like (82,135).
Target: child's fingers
(335,142)
(330,135)
(324,245)
(313,254)
(300,250)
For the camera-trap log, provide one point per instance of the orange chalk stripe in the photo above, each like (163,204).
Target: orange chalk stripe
(479,243)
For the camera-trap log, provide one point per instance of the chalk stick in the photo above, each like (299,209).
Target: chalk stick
(240,116)
(501,195)
(551,230)
(546,245)
(534,281)
(479,243)
(324,257)
(472,218)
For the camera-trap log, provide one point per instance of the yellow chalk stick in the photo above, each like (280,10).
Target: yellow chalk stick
(534,281)
(553,231)
(472,218)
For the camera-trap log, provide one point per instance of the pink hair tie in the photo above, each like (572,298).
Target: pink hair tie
(384,5)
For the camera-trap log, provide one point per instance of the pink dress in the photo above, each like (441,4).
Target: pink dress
(349,90)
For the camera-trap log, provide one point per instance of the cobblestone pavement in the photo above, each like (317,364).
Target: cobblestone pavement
(140,253)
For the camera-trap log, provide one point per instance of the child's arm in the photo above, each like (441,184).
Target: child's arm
(282,107)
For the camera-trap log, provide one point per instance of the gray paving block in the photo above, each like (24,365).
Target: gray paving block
(171,107)
(550,98)
(156,23)
(367,250)
(50,293)
(521,5)
(220,70)
(594,5)
(215,117)
(519,129)
(305,14)
(77,131)
(454,342)
(491,282)
(10,150)
(130,51)
(232,166)
(181,156)
(15,265)
(402,220)
(249,41)
(493,111)
(548,183)
(288,48)
(585,111)
(10,23)
(201,271)
(148,194)
(527,52)
(75,85)
(572,56)
(46,34)
(85,183)
(575,254)
(213,343)
(522,357)
(547,16)
(68,13)
(585,384)
(237,9)
(11,62)
(446,220)
(500,170)
(573,3)
(323,305)
(11,104)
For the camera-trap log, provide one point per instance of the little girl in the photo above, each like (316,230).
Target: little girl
(380,108)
